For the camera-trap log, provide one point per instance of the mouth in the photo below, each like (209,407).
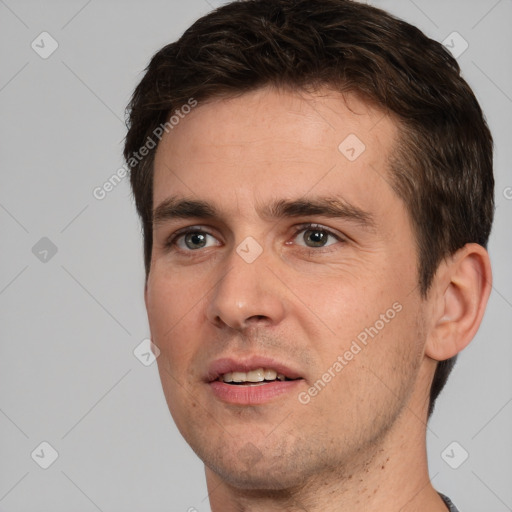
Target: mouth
(257,377)
(251,381)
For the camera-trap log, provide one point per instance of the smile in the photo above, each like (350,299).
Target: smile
(252,380)
(253,377)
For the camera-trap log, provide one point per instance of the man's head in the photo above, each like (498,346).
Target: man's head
(295,109)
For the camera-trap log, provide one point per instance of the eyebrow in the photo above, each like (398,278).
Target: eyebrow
(334,207)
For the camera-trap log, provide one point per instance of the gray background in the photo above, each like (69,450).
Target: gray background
(70,321)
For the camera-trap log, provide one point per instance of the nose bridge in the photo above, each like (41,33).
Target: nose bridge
(248,292)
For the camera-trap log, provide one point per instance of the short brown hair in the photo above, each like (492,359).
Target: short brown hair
(442,166)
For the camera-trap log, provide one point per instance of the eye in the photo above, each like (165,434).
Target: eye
(315,236)
(192,240)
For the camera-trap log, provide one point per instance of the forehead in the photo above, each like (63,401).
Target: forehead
(269,143)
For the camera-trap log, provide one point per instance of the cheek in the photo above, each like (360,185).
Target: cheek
(172,308)
(391,349)
(374,330)
(376,373)
(339,307)
(172,315)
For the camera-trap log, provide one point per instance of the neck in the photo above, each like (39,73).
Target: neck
(390,475)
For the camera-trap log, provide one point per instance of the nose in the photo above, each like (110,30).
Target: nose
(248,294)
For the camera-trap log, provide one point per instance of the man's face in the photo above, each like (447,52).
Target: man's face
(263,275)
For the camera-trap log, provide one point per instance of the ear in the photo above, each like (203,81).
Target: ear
(462,285)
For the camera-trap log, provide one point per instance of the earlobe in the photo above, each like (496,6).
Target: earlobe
(464,282)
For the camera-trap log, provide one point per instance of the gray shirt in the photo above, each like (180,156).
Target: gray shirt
(449,504)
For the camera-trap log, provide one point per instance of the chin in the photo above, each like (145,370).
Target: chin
(249,469)
(260,479)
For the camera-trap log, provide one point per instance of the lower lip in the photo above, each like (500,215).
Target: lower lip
(252,395)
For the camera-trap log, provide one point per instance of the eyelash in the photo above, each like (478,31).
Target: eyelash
(171,242)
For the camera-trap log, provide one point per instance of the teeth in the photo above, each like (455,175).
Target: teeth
(270,374)
(258,375)
(238,377)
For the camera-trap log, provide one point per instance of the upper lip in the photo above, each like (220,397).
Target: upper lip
(245,364)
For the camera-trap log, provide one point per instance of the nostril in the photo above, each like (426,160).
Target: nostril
(255,319)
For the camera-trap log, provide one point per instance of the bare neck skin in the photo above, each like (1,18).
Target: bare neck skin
(389,476)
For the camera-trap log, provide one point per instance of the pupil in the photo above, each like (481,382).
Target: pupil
(315,237)
(195,240)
